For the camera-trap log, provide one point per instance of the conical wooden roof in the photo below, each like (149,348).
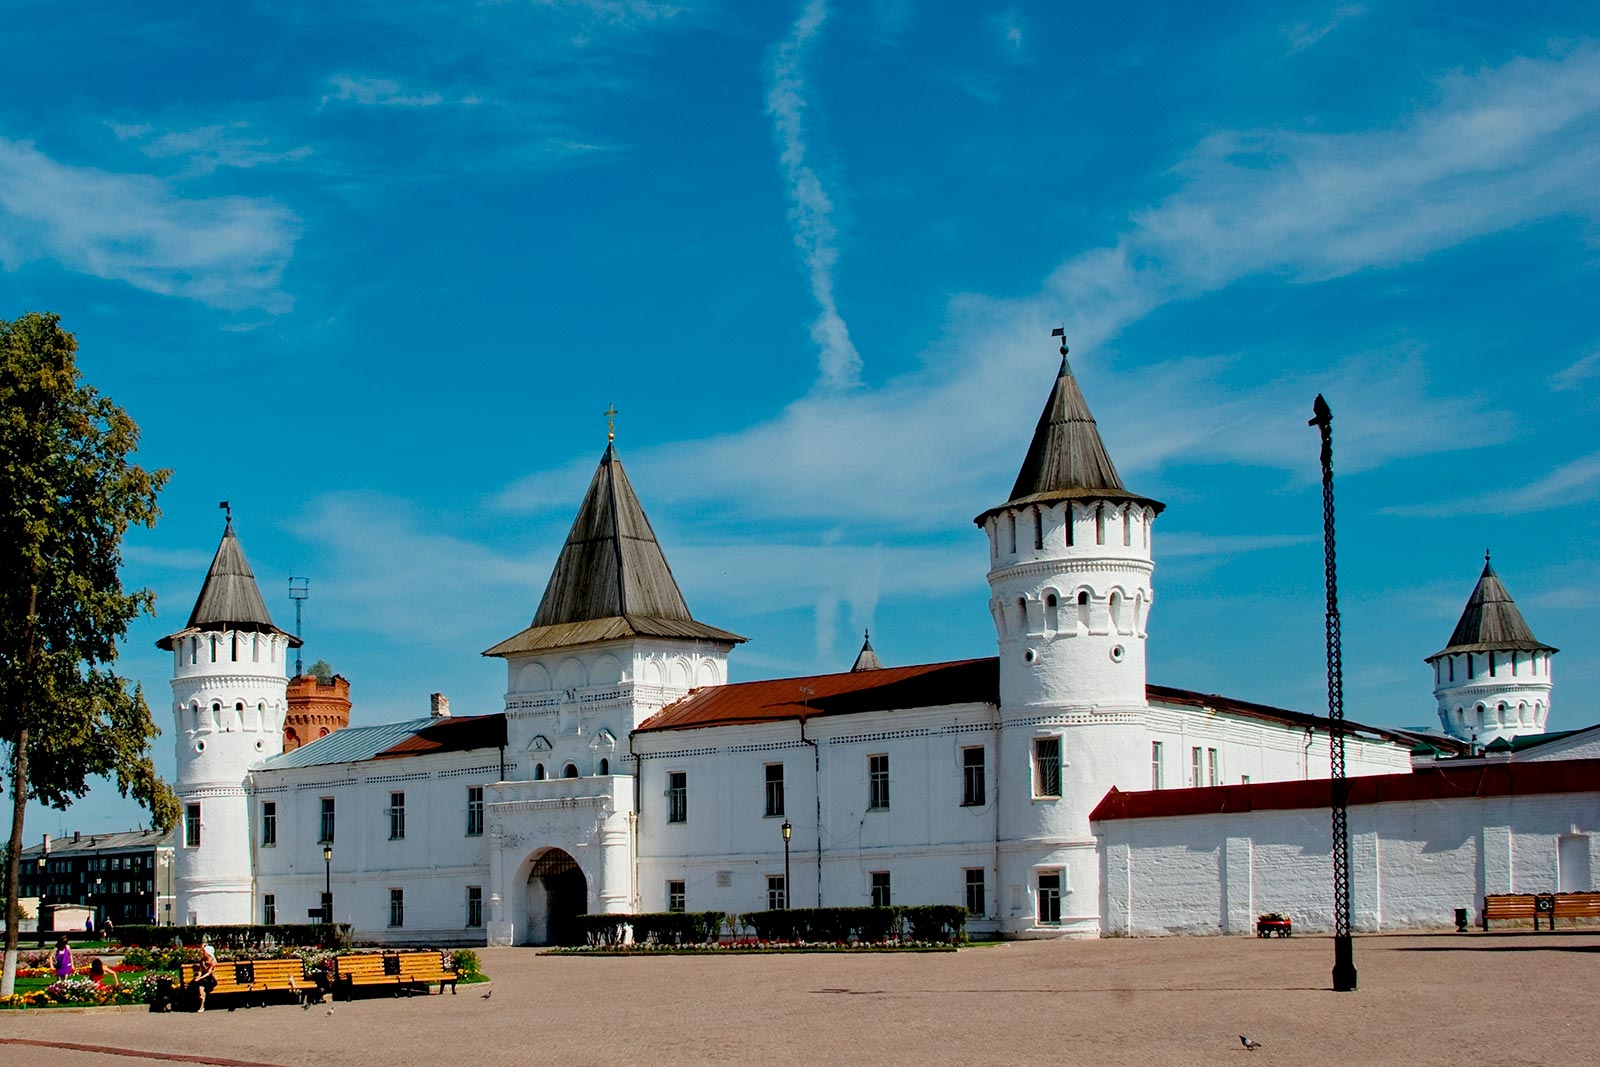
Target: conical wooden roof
(611,579)
(867,659)
(1491,622)
(1066,459)
(230,598)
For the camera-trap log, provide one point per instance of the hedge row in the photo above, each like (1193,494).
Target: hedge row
(241,936)
(935,923)
(653,928)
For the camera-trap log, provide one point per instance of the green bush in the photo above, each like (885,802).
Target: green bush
(465,962)
(943,924)
(652,928)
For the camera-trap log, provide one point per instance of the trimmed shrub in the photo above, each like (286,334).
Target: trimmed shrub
(943,924)
(243,937)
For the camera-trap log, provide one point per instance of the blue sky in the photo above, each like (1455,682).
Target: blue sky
(372,271)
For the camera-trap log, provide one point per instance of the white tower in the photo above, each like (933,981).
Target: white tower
(1069,575)
(228,690)
(1492,681)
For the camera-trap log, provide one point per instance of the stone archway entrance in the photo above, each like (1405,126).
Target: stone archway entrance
(557,894)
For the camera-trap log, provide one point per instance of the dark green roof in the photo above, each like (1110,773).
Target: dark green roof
(230,598)
(1491,622)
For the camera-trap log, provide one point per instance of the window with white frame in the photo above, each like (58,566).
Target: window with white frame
(1194,766)
(191,826)
(397,907)
(977,892)
(973,786)
(880,889)
(325,821)
(269,908)
(1049,897)
(677,899)
(1213,767)
(1155,765)
(777,892)
(774,782)
(677,796)
(474,811)
(1047,766)
(878,783)
(269,824)
(474,905)
(397,816)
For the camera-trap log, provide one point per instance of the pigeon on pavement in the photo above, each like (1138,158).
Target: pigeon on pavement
(1249,1044)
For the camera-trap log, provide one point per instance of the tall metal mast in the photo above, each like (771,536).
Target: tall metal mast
(1344,967)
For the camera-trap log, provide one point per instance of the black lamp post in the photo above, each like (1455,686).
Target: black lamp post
(327,883)
(98,904)
(787,831)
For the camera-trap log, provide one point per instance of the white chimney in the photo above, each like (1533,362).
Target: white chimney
(441,706)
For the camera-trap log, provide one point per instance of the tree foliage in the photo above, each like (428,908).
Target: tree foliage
(322,671)
(68,493)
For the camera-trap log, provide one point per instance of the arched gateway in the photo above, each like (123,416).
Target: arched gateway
(557,894)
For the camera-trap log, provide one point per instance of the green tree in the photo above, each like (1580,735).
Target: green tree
(68,493)
(322,672)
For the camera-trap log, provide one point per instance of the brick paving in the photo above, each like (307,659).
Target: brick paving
(1501,998)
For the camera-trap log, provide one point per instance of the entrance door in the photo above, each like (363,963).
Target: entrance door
(557,894)
(1574,862)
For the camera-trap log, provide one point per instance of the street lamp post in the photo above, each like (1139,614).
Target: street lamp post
(787,831)
(327,884)
(98,902)
(38,924)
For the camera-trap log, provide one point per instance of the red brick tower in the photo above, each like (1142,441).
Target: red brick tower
(316,709)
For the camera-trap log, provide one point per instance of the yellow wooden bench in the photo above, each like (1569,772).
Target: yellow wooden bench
(428,968)
(252,978)
(401,972)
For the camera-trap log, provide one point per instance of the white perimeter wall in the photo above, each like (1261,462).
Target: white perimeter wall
(1412,863)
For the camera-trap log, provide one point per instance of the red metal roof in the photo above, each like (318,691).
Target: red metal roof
(1431,783)
(454,734)
(925,685)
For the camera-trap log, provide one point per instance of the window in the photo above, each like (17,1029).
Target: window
(977,894)
(774,790)
(777,893)
(397,816)
(1047,766)
(678,796)
(1155,765)
(325,823)
(474,905)
(676,899)
(605,766)
(1038,528)
(973,787)
(1049,897)
(1194,766)
(878,783)
(1127,527)
(1213,770)
(397,907)
(269,909)
(880,889)
(1244,779)
(191,826)
(474,811)
(570,771)
(538,772)
(269,824)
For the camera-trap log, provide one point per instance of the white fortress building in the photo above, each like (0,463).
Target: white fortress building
(1051,789)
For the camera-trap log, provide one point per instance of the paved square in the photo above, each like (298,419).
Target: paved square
(1500,998)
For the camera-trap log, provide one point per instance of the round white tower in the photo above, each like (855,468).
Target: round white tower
(1069,577)
(1492,681)
(229,701)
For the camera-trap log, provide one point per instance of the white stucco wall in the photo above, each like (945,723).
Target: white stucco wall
(1412,863)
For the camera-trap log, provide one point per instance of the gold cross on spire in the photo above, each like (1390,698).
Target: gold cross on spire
(611,414)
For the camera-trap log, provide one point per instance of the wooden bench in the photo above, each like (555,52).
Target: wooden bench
(1498,906)
(1575,906)
(251,978)
(401,972)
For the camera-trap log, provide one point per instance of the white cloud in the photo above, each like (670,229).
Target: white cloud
(377,92)
(228,252)
(1571,483)
(1577,374)
(1303,35)
(208,148)
(811,209)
